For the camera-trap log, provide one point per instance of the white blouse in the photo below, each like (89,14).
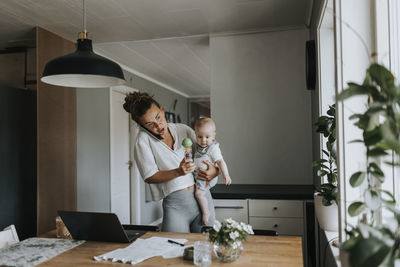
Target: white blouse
(153,155)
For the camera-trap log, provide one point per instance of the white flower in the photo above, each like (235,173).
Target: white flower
(230,221)
(235,224)
(217,226)
(248,229)
(234,235)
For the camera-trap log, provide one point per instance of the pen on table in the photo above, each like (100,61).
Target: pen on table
(174,242)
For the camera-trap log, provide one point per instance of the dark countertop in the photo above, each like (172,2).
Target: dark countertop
(263,191)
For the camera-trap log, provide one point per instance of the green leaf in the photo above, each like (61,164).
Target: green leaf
(357,178)
(356,116)
(352,90)
(382,76)
(391,201)
(328,187)
(395,164)
(376,152)
(332,178)
(331,111)
(321,173)
(326,202)
(363,122)
(325,152)
(356,208)
(372,137)
(319,162)
(356,141)
(389,137)
(322,166)
(369,252)
(350,243)
(376,172)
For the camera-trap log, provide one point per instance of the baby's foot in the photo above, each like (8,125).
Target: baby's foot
(205,218)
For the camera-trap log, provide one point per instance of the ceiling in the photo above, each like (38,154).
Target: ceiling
(166,41)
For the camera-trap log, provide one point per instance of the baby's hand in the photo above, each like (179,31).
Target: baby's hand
(227,180)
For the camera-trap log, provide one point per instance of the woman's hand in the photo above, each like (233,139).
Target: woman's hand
(209,174)
(186,166)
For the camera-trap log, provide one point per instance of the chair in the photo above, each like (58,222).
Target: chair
(256,231)
(265,232)
(152,228)
(8,236)
(205,228)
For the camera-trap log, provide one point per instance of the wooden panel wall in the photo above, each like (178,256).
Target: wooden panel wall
(56,133)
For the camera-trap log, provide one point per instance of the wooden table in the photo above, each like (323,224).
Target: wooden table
(258,251)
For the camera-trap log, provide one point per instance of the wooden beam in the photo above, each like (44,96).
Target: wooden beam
(56,133)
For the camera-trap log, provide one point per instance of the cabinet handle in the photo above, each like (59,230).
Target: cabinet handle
(275,208)
(275,225)
(228,207)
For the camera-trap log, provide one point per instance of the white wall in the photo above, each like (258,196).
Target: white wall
(93,150)
(261,106)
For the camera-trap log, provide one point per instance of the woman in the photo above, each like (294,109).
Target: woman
(160,159)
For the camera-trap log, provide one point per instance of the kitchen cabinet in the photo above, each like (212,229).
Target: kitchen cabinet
(287,209)
(236,209)
(284,216)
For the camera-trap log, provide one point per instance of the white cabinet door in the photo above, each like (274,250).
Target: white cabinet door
(284,226)
(120,178)
(231,208)
(275,208)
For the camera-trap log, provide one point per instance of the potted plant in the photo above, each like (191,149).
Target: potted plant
(227,237)
(370,243)
(325,198)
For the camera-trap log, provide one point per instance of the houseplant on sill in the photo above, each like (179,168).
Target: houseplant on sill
(227,237)
(325,198)
(370,242)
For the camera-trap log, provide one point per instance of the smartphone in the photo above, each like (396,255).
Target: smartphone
(159,137)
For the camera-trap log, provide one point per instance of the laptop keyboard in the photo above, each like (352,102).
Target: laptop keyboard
(133,234)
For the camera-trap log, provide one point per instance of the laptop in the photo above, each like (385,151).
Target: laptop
(97,226)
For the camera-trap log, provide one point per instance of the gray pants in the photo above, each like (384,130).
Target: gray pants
(182,213)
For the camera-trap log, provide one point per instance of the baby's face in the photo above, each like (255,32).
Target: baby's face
(205,135)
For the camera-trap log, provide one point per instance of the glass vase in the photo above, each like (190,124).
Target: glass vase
(228,253)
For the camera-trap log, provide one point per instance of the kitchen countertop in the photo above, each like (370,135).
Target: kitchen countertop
(262,191)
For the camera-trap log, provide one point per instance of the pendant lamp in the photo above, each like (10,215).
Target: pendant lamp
(83,68)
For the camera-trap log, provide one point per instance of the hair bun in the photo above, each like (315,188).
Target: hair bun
(132,98)
(137,104)
(129,100)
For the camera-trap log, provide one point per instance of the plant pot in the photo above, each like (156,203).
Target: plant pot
(228,253)
(327,215)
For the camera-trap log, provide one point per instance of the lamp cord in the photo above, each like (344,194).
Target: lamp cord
(84,31)
(84,15)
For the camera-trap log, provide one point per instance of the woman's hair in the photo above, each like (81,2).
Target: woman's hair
(138,103)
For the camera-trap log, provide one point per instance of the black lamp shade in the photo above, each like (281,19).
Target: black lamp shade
(83,68)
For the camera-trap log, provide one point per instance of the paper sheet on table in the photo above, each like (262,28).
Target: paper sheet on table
(143,249)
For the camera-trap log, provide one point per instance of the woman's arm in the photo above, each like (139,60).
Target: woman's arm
(186,166)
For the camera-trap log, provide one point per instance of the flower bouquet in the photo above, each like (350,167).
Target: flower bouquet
(227,237)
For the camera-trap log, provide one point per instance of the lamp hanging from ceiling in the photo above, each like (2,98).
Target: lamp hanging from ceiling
(83,68)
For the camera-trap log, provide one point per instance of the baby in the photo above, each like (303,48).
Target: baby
(207,149)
